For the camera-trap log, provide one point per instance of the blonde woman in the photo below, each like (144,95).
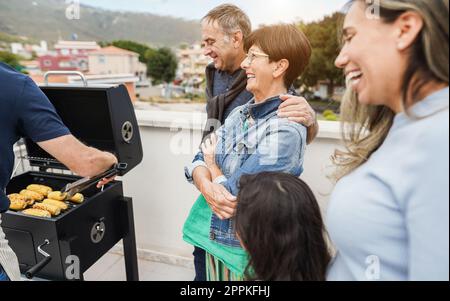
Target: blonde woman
(389,213)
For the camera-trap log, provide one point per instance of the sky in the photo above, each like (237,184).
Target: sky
(259,11)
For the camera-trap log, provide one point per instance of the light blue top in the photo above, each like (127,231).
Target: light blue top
(389,219)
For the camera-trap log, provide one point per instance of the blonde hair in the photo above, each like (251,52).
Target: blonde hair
(365,127)
(230,18)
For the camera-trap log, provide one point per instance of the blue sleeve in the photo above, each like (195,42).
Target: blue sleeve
(4,202)
(37,117)
(199,159)
(280,151)
(427,220)
(189,169)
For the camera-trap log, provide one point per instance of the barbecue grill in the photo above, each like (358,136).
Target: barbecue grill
(64,247)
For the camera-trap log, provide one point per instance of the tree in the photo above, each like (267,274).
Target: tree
(104,44)
(10,59)
(135,47)
(324,39)
(162,65)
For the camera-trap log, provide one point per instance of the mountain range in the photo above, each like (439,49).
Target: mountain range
(47,20)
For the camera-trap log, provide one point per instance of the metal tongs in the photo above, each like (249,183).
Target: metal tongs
(85,183)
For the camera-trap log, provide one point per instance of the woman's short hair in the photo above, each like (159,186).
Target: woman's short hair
(283,41)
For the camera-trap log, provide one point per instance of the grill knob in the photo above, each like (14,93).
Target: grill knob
(127,132)
(98,232)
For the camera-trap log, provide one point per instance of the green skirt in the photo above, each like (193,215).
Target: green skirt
(196,232)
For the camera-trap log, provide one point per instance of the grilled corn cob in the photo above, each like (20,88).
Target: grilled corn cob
(61,205)
(77,198)
(44,190)
(36,196)
(57,196)
(18,205)
(37,212)
(53,210)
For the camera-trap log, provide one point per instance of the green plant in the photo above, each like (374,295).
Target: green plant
(327,113)
(331,117)
(135,47)
(323,35)
(162,65)
(10,59)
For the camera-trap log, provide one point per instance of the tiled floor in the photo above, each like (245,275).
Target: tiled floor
(111,267)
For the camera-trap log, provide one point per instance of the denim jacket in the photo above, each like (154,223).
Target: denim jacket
(252,140)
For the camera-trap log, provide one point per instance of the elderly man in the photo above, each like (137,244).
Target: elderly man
(224,30)
(26,112)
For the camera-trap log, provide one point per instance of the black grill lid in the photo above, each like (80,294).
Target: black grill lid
(101,117)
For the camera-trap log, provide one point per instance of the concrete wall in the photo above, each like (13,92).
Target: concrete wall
(113,64)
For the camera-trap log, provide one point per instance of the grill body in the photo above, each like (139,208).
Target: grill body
(64,247)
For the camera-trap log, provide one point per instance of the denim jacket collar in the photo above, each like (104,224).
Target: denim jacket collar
(262,110)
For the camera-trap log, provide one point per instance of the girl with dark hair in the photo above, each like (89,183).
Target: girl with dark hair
(279,223)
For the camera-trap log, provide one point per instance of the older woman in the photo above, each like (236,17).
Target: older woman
(253,139)
(389,213)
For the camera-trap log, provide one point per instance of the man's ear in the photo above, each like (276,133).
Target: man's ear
(408,28)
(280,68)
(238,39)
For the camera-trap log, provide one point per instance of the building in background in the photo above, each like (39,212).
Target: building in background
(75,48)
(109,65)
(31,67)
(129,80)
(192,63)
(114,60)
(27,51)
(68,56)
(322,88)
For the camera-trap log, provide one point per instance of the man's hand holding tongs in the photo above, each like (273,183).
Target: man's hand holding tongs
(105,181)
